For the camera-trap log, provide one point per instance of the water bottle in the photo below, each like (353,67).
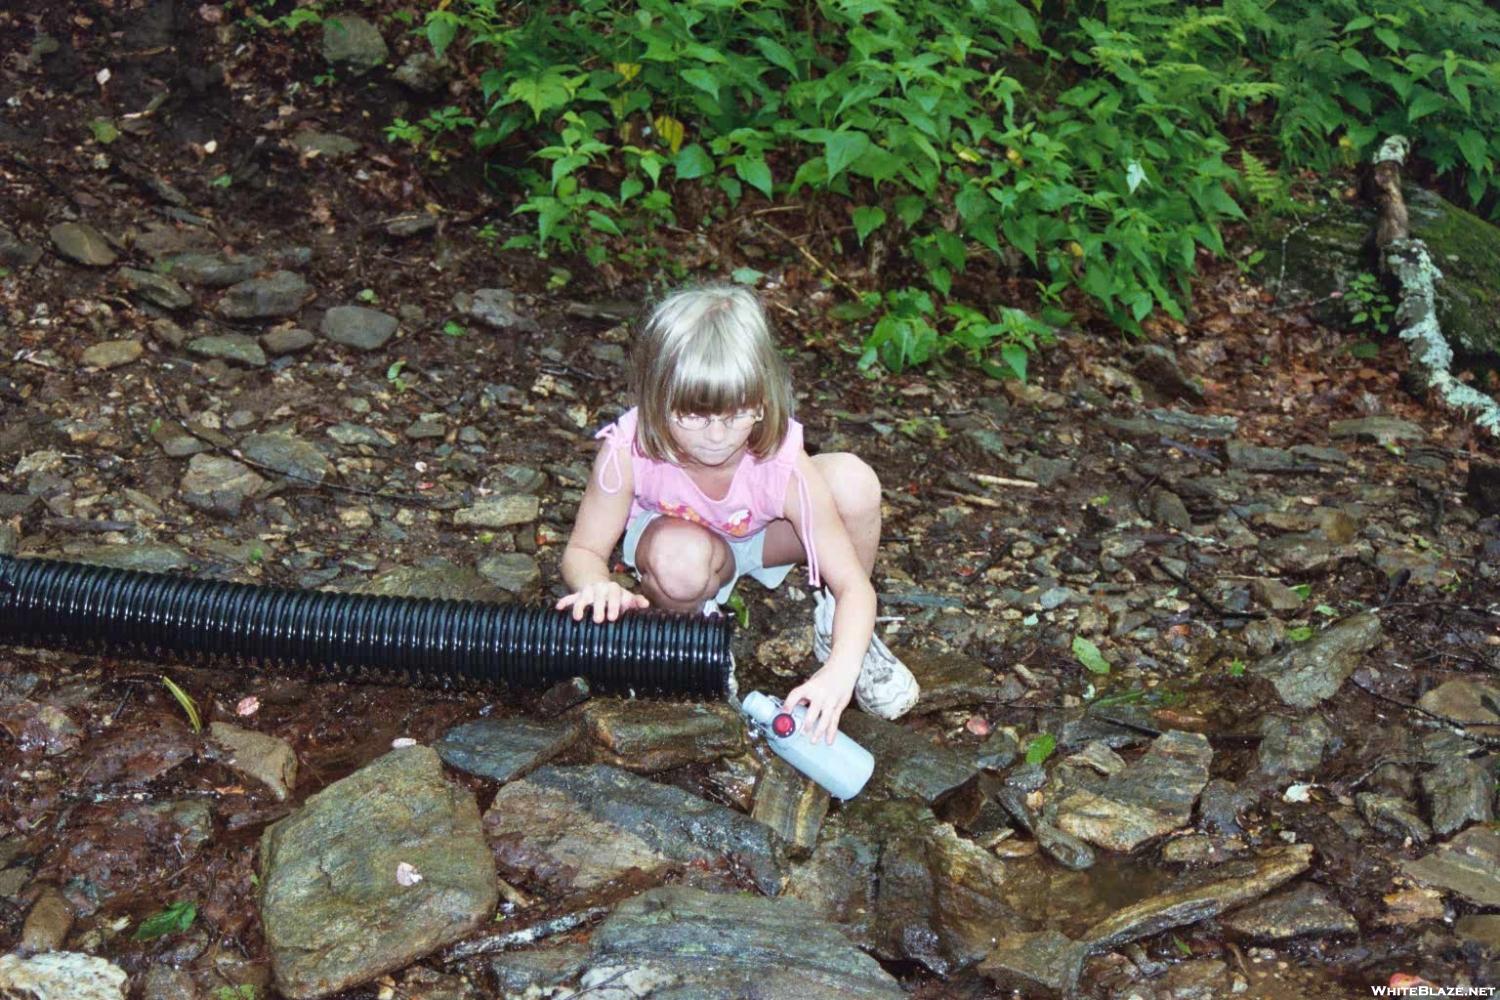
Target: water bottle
(842,767)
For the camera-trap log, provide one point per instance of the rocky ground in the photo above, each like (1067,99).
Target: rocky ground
(1276,778)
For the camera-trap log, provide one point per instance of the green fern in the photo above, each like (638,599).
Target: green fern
(1264,185)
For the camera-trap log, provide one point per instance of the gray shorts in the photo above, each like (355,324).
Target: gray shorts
(748,556)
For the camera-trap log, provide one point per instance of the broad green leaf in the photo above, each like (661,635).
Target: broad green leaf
(603,223)
(671,130)
(541,93)
(1088,654)
(747,275)
(867,219)
(1040,747)
(777,55)
(703,80)
(1015,356)
(630,187)
(442,28)
(842,148)
(752,170)
(1425,103)
(175,919)
(1474,148)
(693,161)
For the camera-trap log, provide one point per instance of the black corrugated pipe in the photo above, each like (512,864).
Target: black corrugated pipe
(49,603)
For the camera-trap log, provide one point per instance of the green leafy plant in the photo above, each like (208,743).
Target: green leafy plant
(1236,668)
(741,610)
(1370,307)
(242,991)
(175,919)
(394,377)
(1301,633)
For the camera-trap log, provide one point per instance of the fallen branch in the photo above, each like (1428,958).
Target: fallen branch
(527,935)
(1407,260)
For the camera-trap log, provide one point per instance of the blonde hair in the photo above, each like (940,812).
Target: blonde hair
(708,350)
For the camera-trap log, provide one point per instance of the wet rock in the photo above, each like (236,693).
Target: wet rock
(156,288)
(907,764)
(15,253)
(1197,849)
(436,578)
(790,804)
(82,244)
(335,913)
(289,455)
(1195,979)
(269,760)
(1220,805)
(905,886)
(692,943)
(650,736)
(1381,430)
(1393,817)
(495,308)
(38,726)
(426,428)
(360,434)
(61,975)
(499,512)
(220,485)
(1036,963)
(1152,797)
(212,270)
(287,341)
(1064,848)
(1313,671)
(999,751)
(1459,792)
(1292,746)
(505,749)
(562,696)
(1482,929)
(576,828)
(952,680)
(236,347)
(1275,595)
(112,354)
(351,41)
(47,923)
(280,294)
(510,571)
(1227,886)
(325,145)
(1468,865)
(359,327)
(1474,703)
(1305,910)
(410,224)
(536,971)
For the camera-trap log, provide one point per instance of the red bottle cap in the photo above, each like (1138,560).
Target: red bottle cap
(783,725)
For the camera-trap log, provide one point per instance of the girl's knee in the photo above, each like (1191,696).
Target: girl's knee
(680,559)
(855,486)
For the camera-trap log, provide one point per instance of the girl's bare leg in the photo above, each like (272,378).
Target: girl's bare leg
(856,495)
(682,564)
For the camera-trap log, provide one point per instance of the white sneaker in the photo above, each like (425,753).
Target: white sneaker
(710,608)
(885,687)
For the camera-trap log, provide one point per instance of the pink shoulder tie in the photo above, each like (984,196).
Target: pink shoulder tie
(804,502)
(611,435)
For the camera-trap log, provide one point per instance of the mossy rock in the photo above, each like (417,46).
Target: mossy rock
(1326,255)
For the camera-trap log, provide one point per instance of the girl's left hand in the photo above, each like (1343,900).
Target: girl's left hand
(826,694)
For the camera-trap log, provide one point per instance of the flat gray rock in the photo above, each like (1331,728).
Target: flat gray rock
(495,308)
(907,764)
(375,871)
(1229,885)
(1381,430)
(61,975)
(112,354)
(326,145)
(359,327)
(1036,963)
(1468,865)
(155,288)
(510,571)
(1459,792)
(279,294)
(499,512)
(436,578)
(290,455)
(576,828)
(692,943)
(82,244)
(1305,910)
(505,749)
(236,347)
(211,270)
(1311,672)
(220,485)
(267,759)
(650,736)
(1292,746)
(288,341)
(14,252)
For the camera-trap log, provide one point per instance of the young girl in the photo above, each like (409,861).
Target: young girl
(708,481)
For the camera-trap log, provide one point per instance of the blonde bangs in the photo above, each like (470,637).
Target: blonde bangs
(709,350)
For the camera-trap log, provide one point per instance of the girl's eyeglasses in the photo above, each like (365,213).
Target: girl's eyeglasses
(736,421)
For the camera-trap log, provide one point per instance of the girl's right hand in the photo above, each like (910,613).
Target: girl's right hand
(607,598)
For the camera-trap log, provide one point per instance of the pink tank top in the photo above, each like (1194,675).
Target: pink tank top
(756,496)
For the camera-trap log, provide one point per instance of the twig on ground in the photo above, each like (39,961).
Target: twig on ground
(815,262)
(1213,605)
(525,936)
(1457,727)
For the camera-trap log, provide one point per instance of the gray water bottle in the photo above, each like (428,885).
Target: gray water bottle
(842,767)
